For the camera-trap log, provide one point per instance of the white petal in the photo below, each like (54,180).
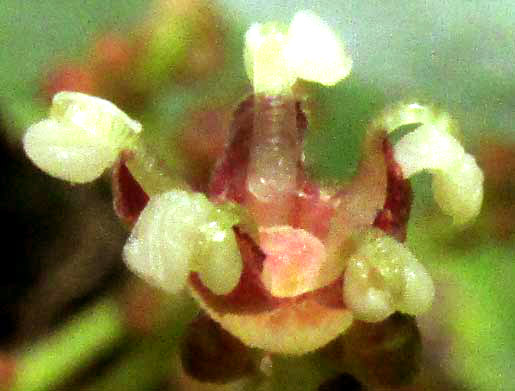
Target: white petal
(434,146)
(427,148)
(309,50)
(82,137)
(457,180)
(180,232)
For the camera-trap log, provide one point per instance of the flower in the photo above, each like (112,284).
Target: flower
(281,262)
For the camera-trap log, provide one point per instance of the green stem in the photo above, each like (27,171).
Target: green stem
(153,359)
(151,173)
(45,364)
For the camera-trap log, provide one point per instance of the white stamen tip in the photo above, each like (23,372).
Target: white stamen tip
(276,56)
(315,51)
(382,277)
(457,179)
(81,138)
(179,232)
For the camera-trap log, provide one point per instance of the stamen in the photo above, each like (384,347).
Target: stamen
(275,150)
(382,277)
(457,180)
(82,137)
(275,56)
(166,243)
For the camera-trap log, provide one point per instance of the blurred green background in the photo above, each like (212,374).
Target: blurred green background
(456,54)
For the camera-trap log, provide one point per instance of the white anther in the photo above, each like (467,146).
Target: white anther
(175,235)
(276,56)
(81,138)
(457,179)
(382,277)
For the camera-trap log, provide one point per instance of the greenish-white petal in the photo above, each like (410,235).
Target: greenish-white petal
(457,179)
(97,116)
(419,290)
(163,240)
(367,302)
(459,190)
(427,148)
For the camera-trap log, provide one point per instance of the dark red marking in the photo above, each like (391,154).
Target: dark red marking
(393,218)
(230,174)
(229,178)
(250,295)
(129,198)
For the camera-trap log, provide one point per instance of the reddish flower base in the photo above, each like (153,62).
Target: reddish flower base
(250,311)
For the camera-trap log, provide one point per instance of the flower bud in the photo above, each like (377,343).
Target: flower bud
(179,40)
(69,77)
(7,371)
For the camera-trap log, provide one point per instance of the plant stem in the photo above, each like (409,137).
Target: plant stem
(153,359)
(45,364)
(151,173)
